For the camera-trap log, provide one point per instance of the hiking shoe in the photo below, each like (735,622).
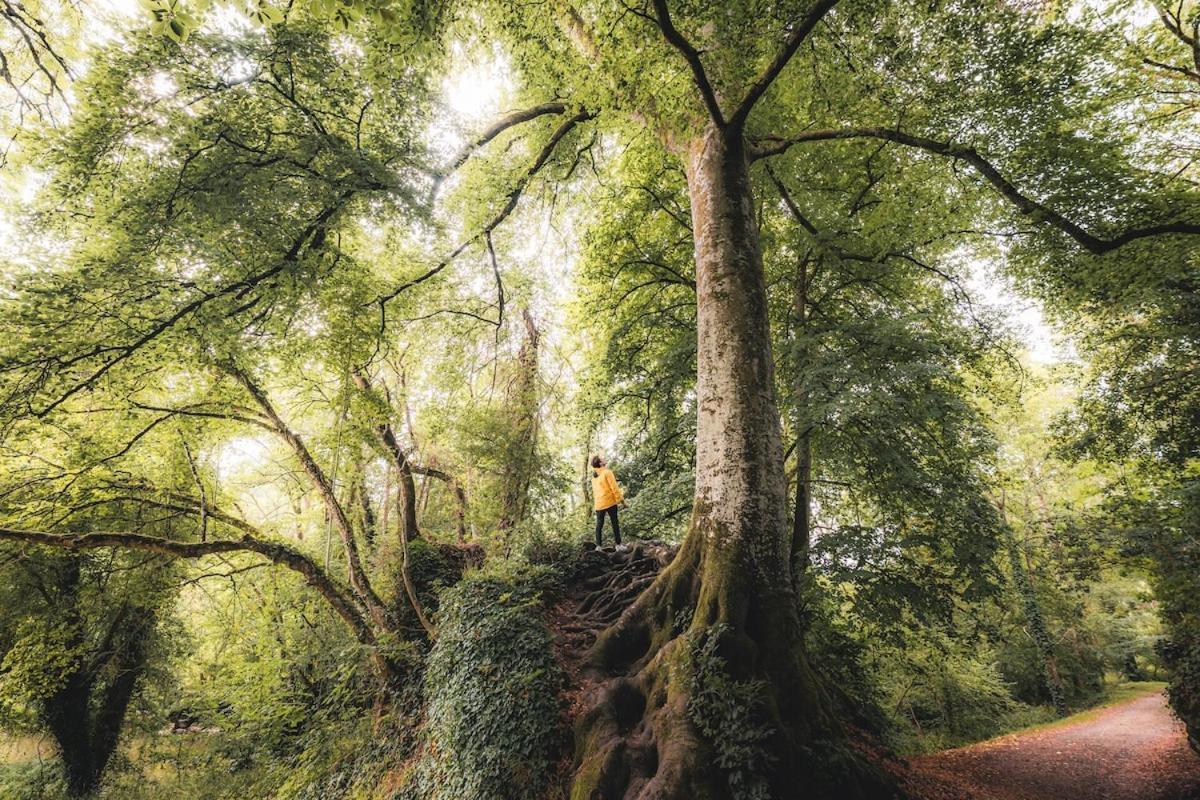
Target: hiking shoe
(621,548)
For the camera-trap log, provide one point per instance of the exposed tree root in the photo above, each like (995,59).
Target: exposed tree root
(636,734)
(606,583)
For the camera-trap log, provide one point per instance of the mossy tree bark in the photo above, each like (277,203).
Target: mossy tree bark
(732,578)
(521,451)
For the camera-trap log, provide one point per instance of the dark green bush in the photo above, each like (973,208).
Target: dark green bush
(729,714)
(492,686)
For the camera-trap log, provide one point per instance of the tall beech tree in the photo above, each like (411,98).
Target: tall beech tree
(712,85)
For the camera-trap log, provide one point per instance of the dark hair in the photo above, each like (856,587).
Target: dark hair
(597,461)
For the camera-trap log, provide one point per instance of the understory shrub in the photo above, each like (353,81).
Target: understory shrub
(491,687)
(947,698)
(729,714)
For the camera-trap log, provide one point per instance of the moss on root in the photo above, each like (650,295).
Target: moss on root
(693,702)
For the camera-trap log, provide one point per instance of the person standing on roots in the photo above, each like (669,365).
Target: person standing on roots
(607,495)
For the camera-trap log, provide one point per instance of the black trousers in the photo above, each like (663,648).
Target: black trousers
(616,526)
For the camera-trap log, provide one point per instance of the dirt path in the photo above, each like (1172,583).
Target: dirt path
(1131,751)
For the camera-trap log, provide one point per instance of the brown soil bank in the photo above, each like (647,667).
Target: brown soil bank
(1132,751)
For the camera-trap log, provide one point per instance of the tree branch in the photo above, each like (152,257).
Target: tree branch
(1024,204)
(498,127)
(692,56)
(359,582)
(513,196)
(768,76)
(276,553)
(238,289)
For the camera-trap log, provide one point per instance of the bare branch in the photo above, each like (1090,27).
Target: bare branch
(203,502)
(498,127)
(513,196)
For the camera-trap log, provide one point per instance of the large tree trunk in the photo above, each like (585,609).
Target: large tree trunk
(648,733)
(67,719)
(66,711)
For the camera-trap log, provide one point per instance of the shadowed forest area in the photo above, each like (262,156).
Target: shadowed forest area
(331,329)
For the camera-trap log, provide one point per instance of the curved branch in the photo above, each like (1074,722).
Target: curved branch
(498,127)
(359,583)
(171,501)
(692,56)
(1024,204)
(276,553)
(513,196)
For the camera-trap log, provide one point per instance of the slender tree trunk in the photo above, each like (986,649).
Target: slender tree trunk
(460,496)
(1037,624)
(522,447)
(802,521)
(407,494)
(644,736)
(365,509)
(585,480)
(406,489)
(411,591)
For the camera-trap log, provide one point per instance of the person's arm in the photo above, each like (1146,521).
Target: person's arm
(611,479)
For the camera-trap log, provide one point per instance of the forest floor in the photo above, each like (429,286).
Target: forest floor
(1133,750)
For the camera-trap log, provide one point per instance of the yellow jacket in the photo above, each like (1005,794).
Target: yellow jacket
(605,490)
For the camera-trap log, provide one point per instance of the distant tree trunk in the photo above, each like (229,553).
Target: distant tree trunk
(86,714)
(522,445)
(366,511)
(385,509)
(731,584)
(1037,623)
(460,496)
(802,521)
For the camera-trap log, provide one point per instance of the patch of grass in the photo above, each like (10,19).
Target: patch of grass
(1025,718)
(1112,695)
(20,749)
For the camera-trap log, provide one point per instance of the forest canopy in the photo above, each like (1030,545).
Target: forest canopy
(323,320)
